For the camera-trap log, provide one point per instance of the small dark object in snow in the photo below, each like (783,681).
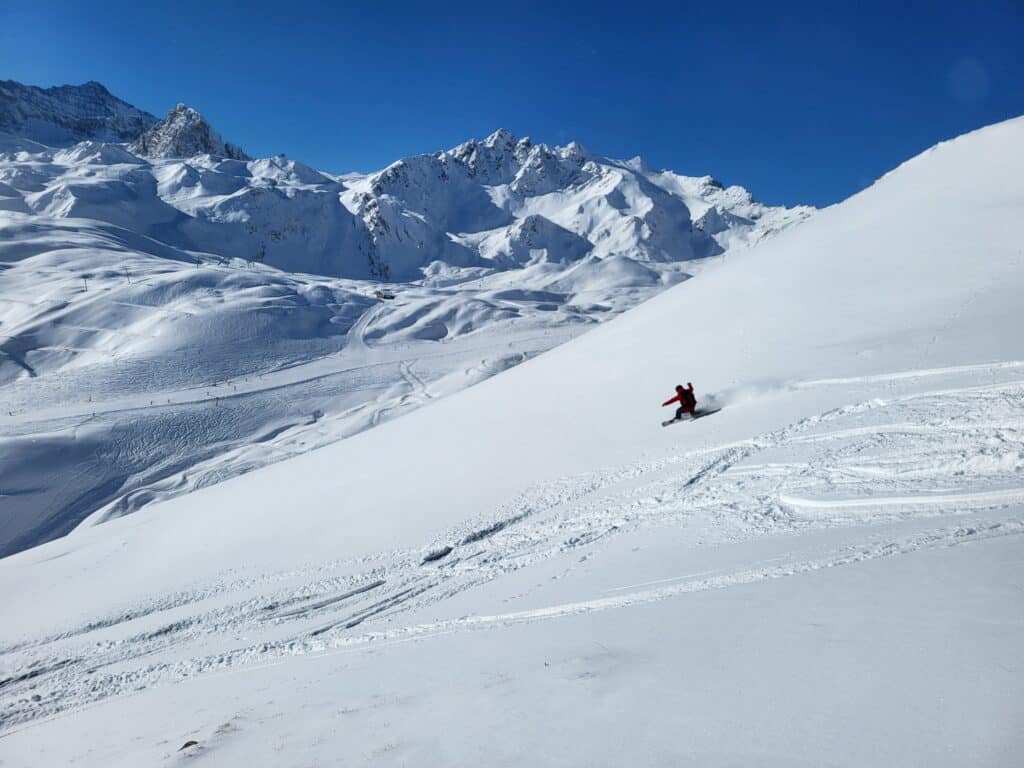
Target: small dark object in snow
(189,743)
(437,554)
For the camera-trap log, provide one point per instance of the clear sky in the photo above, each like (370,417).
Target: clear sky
(799,102)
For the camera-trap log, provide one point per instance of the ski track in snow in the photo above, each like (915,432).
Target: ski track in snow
(920,455)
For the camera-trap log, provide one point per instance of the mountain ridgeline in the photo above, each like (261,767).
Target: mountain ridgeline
(67,114)
(493,204)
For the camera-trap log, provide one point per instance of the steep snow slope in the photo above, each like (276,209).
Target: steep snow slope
(826,571)
(168,322)
(68,113)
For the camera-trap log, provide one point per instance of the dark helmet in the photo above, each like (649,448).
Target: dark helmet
(679,387)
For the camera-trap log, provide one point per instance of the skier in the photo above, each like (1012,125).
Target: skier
(684,396)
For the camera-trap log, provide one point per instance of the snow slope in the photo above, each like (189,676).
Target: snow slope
(169,319)
(827,571)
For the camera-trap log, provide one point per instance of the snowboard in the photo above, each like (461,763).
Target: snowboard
(698,414)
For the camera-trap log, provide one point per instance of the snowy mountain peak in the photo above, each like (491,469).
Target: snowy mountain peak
(574,149)
(501,138)
(94,87)
(491,158)
(66,114)
(184,133)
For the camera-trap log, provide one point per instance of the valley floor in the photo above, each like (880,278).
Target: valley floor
(828,574)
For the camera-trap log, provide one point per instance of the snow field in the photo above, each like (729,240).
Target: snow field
(827,571)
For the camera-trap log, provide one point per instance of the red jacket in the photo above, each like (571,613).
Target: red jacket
(678,397)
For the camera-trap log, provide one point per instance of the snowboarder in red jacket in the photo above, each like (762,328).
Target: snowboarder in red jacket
(684,396)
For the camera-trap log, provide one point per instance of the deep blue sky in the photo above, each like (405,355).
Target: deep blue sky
(799,102)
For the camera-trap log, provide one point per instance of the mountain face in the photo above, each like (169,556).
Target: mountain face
(493,204)
(63,115)
(509,201)
(184,133)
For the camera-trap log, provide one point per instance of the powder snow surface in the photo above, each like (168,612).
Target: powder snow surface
(828,571)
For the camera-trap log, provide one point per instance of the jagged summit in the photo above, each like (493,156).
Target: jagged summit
(502,143)
(500,138)
(66,114)
(184,133)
